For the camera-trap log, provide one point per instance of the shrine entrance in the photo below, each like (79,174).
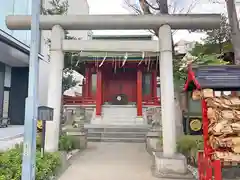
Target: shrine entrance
(120,87)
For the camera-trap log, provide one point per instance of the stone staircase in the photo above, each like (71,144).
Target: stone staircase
(120,115)
(117,133)
(118,123)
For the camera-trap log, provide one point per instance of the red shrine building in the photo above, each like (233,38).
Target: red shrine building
(118,80)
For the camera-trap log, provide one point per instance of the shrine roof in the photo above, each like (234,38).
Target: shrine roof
(219,77)
(110,55)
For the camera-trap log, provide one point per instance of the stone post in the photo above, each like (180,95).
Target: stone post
(168,164)
(55,88)
(167,91)
(80,119)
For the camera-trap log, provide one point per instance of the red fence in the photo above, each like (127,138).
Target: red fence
(78,100)
(152,101)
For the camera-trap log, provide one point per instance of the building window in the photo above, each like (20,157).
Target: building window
(146,84)
(13,7)
(6,8)
(94,83)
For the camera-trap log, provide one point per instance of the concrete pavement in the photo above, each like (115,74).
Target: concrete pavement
(10,136)
(108,161)
(111,161)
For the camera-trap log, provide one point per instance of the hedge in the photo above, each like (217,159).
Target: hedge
(189,146)
(46,167)
(11,164)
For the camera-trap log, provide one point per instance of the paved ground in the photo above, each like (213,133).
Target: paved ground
(10,136)
(111,161)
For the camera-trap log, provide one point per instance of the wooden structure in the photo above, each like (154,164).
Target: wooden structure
(118,79)
(191,108)
(118,83)
(220,78)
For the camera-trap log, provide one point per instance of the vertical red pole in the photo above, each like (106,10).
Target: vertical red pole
(139,93)
(154,85)
(209,170)
(200,166)
(99,93)
(217,170)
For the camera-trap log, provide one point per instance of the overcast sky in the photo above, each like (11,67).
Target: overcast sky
(119,7)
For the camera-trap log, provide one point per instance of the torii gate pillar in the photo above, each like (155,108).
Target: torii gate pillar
(168,163)
(55,88)
(167,91)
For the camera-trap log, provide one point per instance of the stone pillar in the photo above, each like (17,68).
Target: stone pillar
(168,164)
(167,91)
(55,88)
(139,93)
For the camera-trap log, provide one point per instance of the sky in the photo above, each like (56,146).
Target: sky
(119,7)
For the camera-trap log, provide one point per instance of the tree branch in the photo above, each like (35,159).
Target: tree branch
(151,6)
(163,6)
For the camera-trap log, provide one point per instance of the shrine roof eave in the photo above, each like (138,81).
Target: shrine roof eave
(93,59)
(88,56)
(116,54)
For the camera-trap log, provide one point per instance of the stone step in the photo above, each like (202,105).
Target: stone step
(130,140)
(113,133)
(124,135)
(119,109)
(88,126)
(119,117)
(119,123)
(117,134)
(116,112)
(117,128)
(122,122)
(126,129)
(119,120)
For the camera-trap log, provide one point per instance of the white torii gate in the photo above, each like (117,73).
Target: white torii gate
(164,23)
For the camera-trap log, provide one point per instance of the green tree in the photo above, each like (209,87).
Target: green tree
(234,26)
(219,36)
(217,41)
(68,80)
(181,65)
(59,7)
(211,48)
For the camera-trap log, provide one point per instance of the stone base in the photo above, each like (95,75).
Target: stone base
(83,140)
(97,120)
(64,162)
(174,167)
(153,143)
(139,120)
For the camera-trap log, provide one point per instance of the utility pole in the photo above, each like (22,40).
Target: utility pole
(30,124)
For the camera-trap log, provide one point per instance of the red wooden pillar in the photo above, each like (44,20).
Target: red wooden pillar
(154,84)
(139,93)
(99,93)
(87,82)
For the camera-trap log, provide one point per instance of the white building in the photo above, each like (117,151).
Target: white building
(183,46)
(75,7)
(14,59)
